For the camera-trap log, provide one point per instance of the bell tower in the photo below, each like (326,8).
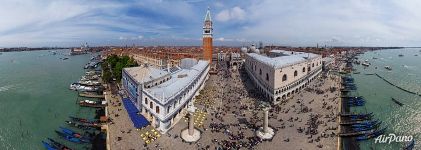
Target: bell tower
(207,37)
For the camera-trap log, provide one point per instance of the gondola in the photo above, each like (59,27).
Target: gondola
(360,123)
(355,115)
(366,128)
(68,137)
(81,120)
(356,104)
(361,117)
(356,100)
(410,146)
(48,146)
(366,124)
(75,134)
(83,125)
(376,123)
(58,145)
(350,88)
(371,135)
(397,102)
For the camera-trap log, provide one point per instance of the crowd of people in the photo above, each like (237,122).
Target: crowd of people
(234,107)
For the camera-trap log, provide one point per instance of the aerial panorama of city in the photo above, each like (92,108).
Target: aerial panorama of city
(210,75)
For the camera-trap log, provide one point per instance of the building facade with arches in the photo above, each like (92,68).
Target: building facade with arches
(280,74)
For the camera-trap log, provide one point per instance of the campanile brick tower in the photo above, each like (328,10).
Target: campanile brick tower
(207,37)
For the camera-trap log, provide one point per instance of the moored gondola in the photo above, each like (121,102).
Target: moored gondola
(371,135)
(371,122)
(48,146)
(376,123)
(70,132)
(83,125)
(355,115)
(82,120)
(59,145)
(410,146)
(68,137)
(366,128)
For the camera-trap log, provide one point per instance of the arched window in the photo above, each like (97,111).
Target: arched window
(284,78)
(312,65)
(267,77)
(168,109)
(157,109)
(260,71)
(304,69)
(308,69)
(150,105)
(295,73)
(146,100)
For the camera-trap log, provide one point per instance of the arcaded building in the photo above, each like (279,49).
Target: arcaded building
(162,94)
(280,74)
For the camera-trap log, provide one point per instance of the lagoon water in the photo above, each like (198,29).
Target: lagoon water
(35,98)
(405,73)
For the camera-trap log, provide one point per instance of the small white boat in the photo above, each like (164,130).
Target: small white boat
(365,64)
(388,67)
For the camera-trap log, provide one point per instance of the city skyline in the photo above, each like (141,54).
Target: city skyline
(151,22)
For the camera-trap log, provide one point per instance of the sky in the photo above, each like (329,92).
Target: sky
(35,23)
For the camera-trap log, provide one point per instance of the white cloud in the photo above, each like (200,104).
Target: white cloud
(235,13)
(384,23)
(218,4)
(220,39)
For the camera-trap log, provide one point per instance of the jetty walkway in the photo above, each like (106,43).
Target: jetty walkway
(398,86)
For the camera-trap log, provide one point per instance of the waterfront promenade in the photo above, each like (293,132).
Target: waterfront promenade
(121,133)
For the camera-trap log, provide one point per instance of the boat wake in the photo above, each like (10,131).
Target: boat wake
(5,88)
(408,67)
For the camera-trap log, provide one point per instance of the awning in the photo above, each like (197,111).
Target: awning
(139,121)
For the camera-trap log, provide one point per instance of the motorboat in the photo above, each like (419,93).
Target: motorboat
(365,64)
(96,104)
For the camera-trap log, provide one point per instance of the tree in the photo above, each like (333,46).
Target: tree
(106,77)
